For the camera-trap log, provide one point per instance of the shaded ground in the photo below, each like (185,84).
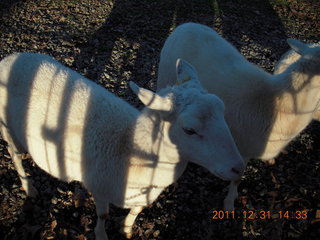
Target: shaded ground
(113,42)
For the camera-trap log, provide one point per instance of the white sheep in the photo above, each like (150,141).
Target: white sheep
(288,59)
(264,111)
(76,130)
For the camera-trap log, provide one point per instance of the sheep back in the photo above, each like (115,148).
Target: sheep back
(73,128)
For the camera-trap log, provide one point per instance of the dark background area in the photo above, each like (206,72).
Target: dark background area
(113,42)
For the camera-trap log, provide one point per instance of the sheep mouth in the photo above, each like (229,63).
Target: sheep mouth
(225,178)
(220,176)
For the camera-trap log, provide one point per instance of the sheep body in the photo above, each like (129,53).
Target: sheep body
(63,125)
(224,71)
(264,112)
(286,60)
(76,130)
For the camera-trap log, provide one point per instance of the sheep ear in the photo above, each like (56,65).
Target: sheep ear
(186,72)
(151,99)
(297,46)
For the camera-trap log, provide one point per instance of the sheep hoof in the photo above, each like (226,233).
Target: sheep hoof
(126,231)
(128,235)
(270,162)
(30,190)
(100,234)
(228,205)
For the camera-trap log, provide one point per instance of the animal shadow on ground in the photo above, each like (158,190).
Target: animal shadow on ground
(248,25)
(143,29)
(5,6)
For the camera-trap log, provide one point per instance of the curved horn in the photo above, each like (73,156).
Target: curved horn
(151,99)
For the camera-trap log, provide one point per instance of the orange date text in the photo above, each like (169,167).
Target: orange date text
(259,214)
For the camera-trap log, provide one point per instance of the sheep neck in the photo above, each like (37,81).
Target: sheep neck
(294,106)
(154,163)
(282,105)
(249,110)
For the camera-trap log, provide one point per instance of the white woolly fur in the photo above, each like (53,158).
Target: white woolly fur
(75,129)
(264,111)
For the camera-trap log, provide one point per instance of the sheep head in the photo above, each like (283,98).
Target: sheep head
(195,123)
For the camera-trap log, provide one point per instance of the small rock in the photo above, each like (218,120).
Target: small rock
(54,200)
(156,233)
(60,190)
(148,232)
(158,221)
(75,214)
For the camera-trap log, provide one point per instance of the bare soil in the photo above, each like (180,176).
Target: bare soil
(113,42)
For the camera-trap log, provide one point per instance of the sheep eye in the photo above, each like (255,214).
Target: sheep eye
(189,131)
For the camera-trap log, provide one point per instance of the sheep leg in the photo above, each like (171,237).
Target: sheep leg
(231,196)
(102,209)
(316,115)
(16,157)
(129,221)
(269,162)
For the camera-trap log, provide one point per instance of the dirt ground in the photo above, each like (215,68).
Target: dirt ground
(113,42)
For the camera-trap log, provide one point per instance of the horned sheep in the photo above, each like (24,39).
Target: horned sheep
(264,112)
(74,129)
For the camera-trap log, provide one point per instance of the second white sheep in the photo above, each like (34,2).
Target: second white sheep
(264,111)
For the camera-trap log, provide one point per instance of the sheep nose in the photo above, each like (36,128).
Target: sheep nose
(235,170)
